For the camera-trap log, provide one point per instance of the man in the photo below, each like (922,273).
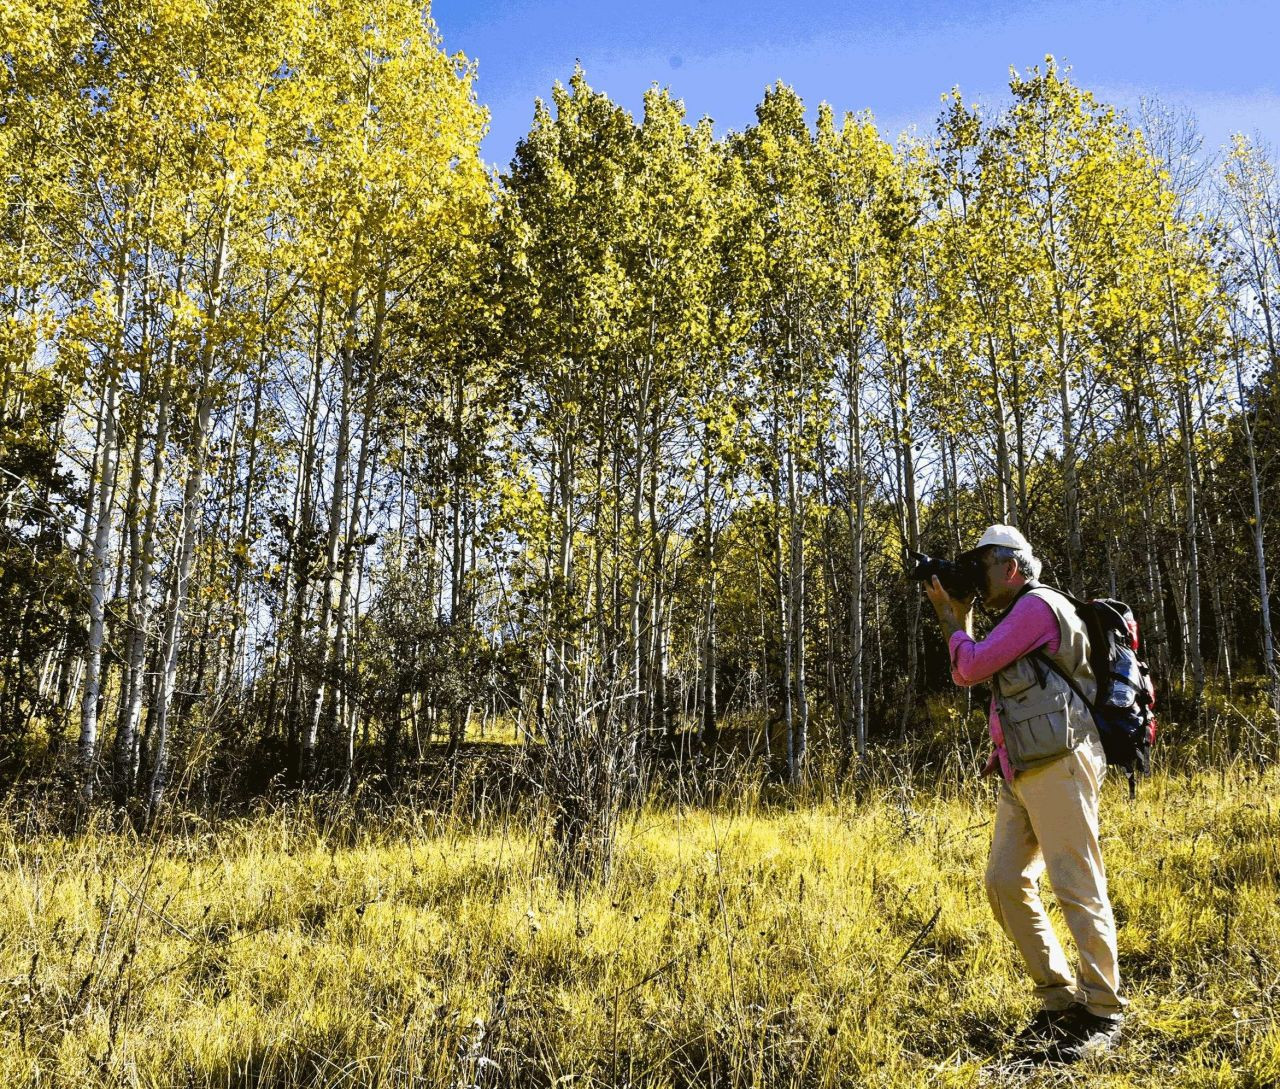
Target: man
(1050,759)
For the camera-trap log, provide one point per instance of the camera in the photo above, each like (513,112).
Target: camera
(962,578)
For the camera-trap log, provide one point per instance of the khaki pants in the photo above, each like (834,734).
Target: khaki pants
(1047,819)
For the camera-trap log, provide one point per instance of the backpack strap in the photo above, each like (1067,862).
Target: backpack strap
(1071,681)
(1026,588)
(1098,617)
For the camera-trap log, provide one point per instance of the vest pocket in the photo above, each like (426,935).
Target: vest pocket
(1037,724)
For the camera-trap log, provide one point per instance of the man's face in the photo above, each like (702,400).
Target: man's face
(1000,581)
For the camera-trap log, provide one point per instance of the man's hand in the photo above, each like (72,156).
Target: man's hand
(954,614)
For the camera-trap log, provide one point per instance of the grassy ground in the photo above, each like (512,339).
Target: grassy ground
(829,943)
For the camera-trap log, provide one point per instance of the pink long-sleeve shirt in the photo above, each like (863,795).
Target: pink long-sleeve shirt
(1029,626)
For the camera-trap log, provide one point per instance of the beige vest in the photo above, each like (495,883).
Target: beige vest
(1042,718)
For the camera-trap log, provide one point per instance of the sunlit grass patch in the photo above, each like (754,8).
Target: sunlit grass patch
(829,943)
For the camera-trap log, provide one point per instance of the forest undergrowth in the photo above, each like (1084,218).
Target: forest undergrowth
(823,940)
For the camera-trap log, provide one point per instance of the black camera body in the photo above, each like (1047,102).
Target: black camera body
(962,577)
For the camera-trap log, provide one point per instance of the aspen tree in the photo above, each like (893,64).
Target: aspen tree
(1250,194)
(565,199)
(789,294)
(1067,163)
(668,255)
(901,366)
(717,410)
(859,172)
(979,271)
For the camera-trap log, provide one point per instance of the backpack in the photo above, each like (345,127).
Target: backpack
(1122,706)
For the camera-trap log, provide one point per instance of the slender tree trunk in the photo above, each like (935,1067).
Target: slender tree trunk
(457,542)
(141,527)
(784,618)
(191,499)
(1008,511)
(911,533)
(337,508)
(90,703)
(303,530)
(1158,642)
(142,545)
(368,438)
(659,718)
(1221,620)
(796,586)
(832,613)
(1071,487)
(242,560)
(639,639)
(1193,549)
(857,534)
(563,664)
(73,663)
(710,729)
(1021,458)
(88,749)
(1169,553)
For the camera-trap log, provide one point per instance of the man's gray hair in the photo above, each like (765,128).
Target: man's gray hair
(1028,564)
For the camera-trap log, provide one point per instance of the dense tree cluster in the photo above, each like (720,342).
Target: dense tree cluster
(319,442)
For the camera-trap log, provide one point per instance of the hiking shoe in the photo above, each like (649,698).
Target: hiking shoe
(1046,1029)
(1084,1035)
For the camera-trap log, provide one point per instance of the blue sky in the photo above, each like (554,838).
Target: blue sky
(896,59)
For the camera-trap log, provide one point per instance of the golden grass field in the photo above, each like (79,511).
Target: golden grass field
(822,943)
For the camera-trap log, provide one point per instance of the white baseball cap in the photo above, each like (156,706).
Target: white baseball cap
(1006,536)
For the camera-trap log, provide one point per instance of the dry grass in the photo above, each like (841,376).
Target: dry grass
(821,944)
